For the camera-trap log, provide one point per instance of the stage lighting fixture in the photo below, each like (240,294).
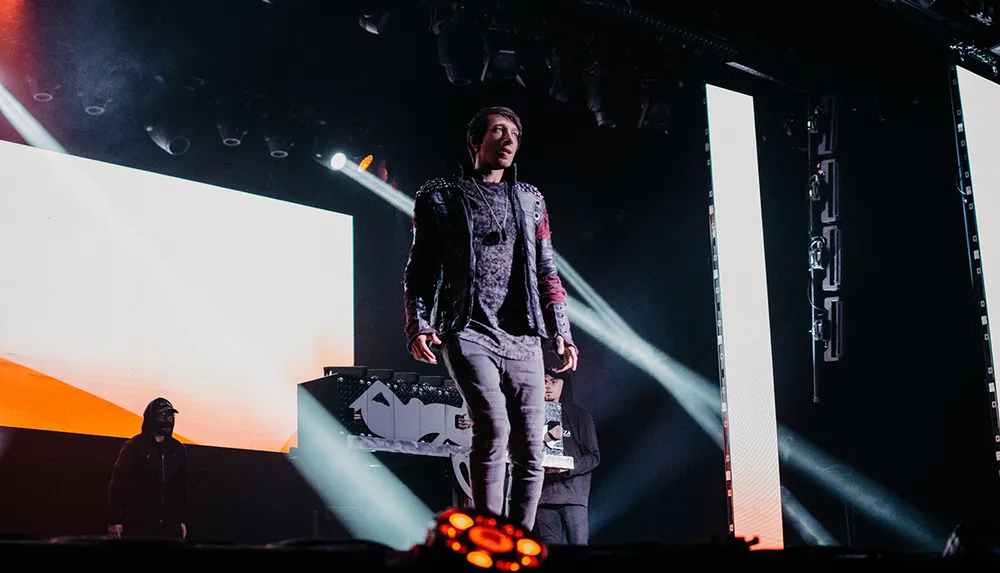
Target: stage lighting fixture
(833,260)
(231,136)
(338,161)
(461,51)
(278,147)
(501,61)
(42,91)
(833,319)
(595,102)
(461,537)
(376,22)
(93,104)
(565,77)
(366,162)
(605,99)
(172,137)
(654,112)
(231,124)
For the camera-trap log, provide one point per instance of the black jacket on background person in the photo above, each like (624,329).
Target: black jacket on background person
(149,484)
(580,443)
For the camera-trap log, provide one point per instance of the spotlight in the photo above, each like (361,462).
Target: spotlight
(42,91)
(94,105)
(501,62)
(377,23)
(338,161)
(367,161)
(231,136)
(654,112)
(459,538)
(609,96)
(461,51)
(564,75)
(278,147)
(596,103)
(232,129)
(169,136)
(602,92)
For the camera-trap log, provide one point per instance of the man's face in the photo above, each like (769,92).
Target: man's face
(165,422)
(501,142)
(553,388)
(165,416)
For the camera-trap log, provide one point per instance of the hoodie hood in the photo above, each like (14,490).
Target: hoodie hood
(151,424)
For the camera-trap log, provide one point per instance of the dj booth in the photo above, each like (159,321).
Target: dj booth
(413,425)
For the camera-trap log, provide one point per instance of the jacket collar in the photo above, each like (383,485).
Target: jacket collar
(509,174)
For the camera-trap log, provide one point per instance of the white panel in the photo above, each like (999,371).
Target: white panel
(753,434)
(981,121)
(124,285)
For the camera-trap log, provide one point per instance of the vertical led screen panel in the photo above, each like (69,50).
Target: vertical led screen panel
(978,128)
(119,285)
(744,343)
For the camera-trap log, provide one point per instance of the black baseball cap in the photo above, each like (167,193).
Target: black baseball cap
(162,405)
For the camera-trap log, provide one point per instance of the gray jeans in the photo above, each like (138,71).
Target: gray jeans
(506,403)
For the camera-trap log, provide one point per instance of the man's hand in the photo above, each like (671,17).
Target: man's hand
(184,531)
(462,422)
(421,350)
(569,354)
(115,531)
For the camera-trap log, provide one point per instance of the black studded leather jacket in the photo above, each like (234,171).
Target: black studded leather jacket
(439,279)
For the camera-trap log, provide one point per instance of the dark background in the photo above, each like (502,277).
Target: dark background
(907,406)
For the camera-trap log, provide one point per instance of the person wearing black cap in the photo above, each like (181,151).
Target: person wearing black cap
(562,510)
(147,496)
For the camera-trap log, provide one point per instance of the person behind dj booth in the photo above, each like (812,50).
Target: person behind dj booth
(562,510)
(148,492)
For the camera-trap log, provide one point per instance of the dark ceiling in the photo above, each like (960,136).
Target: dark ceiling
(298,68)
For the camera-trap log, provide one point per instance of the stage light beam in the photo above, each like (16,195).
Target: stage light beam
(697,395)
(346,477)
(26,125)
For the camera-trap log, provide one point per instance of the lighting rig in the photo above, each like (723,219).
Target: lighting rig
(825,237)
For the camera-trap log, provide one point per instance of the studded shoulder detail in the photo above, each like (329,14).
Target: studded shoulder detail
(530,189)
(436,184)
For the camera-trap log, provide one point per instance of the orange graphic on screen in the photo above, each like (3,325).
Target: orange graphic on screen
(224,317)
(30,399)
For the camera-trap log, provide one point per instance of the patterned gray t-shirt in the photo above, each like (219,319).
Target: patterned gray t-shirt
(500,313)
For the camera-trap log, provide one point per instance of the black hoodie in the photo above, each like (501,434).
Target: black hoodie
(149,483)
(580,443)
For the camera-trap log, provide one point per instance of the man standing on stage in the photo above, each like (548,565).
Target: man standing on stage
(481,283)
(562,509)
(147,496)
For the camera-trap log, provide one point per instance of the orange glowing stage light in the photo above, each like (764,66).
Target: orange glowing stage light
(363,165)
(463,538)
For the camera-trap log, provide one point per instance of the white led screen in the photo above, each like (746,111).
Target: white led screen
(119,285)
(745,343)
(980,122)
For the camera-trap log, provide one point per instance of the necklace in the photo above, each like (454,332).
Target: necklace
(494,237)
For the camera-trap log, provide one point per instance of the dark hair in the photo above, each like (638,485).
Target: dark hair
(479,123)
